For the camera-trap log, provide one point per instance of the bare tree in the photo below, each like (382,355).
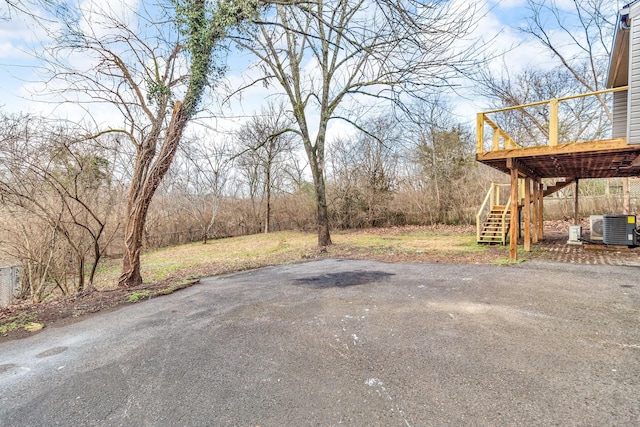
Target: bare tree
(364,176)
(51,176)
(326,56)
(266,148)
(205,171)
(26,7)
(32,242)
(250,187)
(588,24)
(154,66)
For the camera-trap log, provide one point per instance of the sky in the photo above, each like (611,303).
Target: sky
(21,83)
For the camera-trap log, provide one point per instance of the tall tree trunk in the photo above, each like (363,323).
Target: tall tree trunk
(267,215)
(142,189)
(315,155)
(97,255)
(324,236)
(136,215)
(80,260)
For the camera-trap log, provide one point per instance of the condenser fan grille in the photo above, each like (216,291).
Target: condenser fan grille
(619,230)
(597,227)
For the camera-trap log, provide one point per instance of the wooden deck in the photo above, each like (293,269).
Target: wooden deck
(608,158)
(527,166)
(593,159)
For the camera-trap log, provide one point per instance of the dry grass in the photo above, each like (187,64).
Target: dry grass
(169,269)
(196,260)
(217,256)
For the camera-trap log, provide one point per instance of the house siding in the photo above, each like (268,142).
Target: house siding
(633,130)
(619,115)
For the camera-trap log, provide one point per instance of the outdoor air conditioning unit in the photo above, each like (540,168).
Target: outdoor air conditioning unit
(575,235)
(596,227)
(619,230)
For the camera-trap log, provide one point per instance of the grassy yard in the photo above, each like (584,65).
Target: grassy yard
(194,260)
(169,269)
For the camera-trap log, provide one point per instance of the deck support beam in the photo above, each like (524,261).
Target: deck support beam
(576,206)
(527,214)
(519,170)
(540,211)
(514,225)
(534,212)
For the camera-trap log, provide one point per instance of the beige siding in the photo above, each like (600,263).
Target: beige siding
(633,130)
(619,115)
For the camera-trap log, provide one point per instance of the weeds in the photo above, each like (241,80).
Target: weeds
(16,322)
(136,296)
(507,261)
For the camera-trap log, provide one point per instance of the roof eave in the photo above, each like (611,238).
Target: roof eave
(617,75)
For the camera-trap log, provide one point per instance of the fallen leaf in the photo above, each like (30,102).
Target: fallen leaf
(33,326)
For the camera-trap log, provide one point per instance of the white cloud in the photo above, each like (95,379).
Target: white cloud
(17,36)
(10,51)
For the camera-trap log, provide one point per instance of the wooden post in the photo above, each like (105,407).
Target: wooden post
(534,212)
(553,122)
(576,210)
(527,214)
(514,225)
(540,211)
(496,140)
(480,133)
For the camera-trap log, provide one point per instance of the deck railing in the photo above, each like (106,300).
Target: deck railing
(502,141)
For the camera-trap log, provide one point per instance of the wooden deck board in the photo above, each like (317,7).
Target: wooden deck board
(593,159)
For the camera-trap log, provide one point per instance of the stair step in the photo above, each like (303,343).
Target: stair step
(496,225)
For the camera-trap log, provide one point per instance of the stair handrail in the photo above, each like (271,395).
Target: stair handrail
(479,216)
(491,200)
(504,220)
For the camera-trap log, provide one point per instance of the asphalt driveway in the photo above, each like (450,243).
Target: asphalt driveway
(353,343)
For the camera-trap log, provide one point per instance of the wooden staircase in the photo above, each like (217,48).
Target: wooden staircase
(559,185)
(496,227)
